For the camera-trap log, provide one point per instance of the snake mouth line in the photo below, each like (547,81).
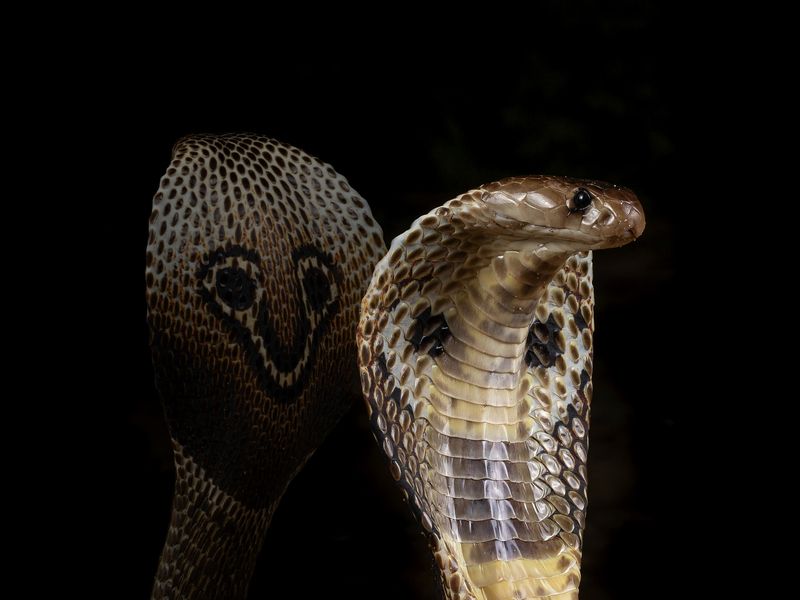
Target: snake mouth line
(577,241)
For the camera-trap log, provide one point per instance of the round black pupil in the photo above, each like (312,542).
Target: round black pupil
(581,199)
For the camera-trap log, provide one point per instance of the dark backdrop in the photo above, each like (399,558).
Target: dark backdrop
(412,122)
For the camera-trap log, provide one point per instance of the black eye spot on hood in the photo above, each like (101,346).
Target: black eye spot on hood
(235,288)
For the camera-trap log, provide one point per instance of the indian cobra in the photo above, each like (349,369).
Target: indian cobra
(475,344)
(257,260)
(474,347)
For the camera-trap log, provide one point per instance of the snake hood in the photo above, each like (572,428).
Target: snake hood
(475,352)
(257,259)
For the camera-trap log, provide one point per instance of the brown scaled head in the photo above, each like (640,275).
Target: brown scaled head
(580,214)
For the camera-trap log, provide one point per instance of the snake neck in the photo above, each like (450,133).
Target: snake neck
(490,321)
(501,301)
(213,540)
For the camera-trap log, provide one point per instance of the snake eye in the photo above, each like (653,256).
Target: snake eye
(581,200)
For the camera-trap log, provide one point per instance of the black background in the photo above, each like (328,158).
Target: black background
(411,121)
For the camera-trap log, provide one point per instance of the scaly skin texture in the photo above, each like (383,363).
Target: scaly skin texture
(475,352)
(257,259)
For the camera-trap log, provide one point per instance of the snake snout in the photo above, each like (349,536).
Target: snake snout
(634,217)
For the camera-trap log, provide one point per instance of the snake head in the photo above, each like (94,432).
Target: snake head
(580,214)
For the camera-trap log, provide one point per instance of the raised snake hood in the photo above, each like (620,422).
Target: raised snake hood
(257,259)
(475,352)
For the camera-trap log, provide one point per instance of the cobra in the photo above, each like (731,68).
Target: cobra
(474,346)
(257,259)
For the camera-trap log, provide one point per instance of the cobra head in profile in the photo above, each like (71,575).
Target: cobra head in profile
(475,352)
(257,259)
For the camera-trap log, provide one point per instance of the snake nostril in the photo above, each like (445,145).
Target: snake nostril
(607,219)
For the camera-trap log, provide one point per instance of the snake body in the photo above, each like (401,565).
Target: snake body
(473,347)
(258,257)
(475,351)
